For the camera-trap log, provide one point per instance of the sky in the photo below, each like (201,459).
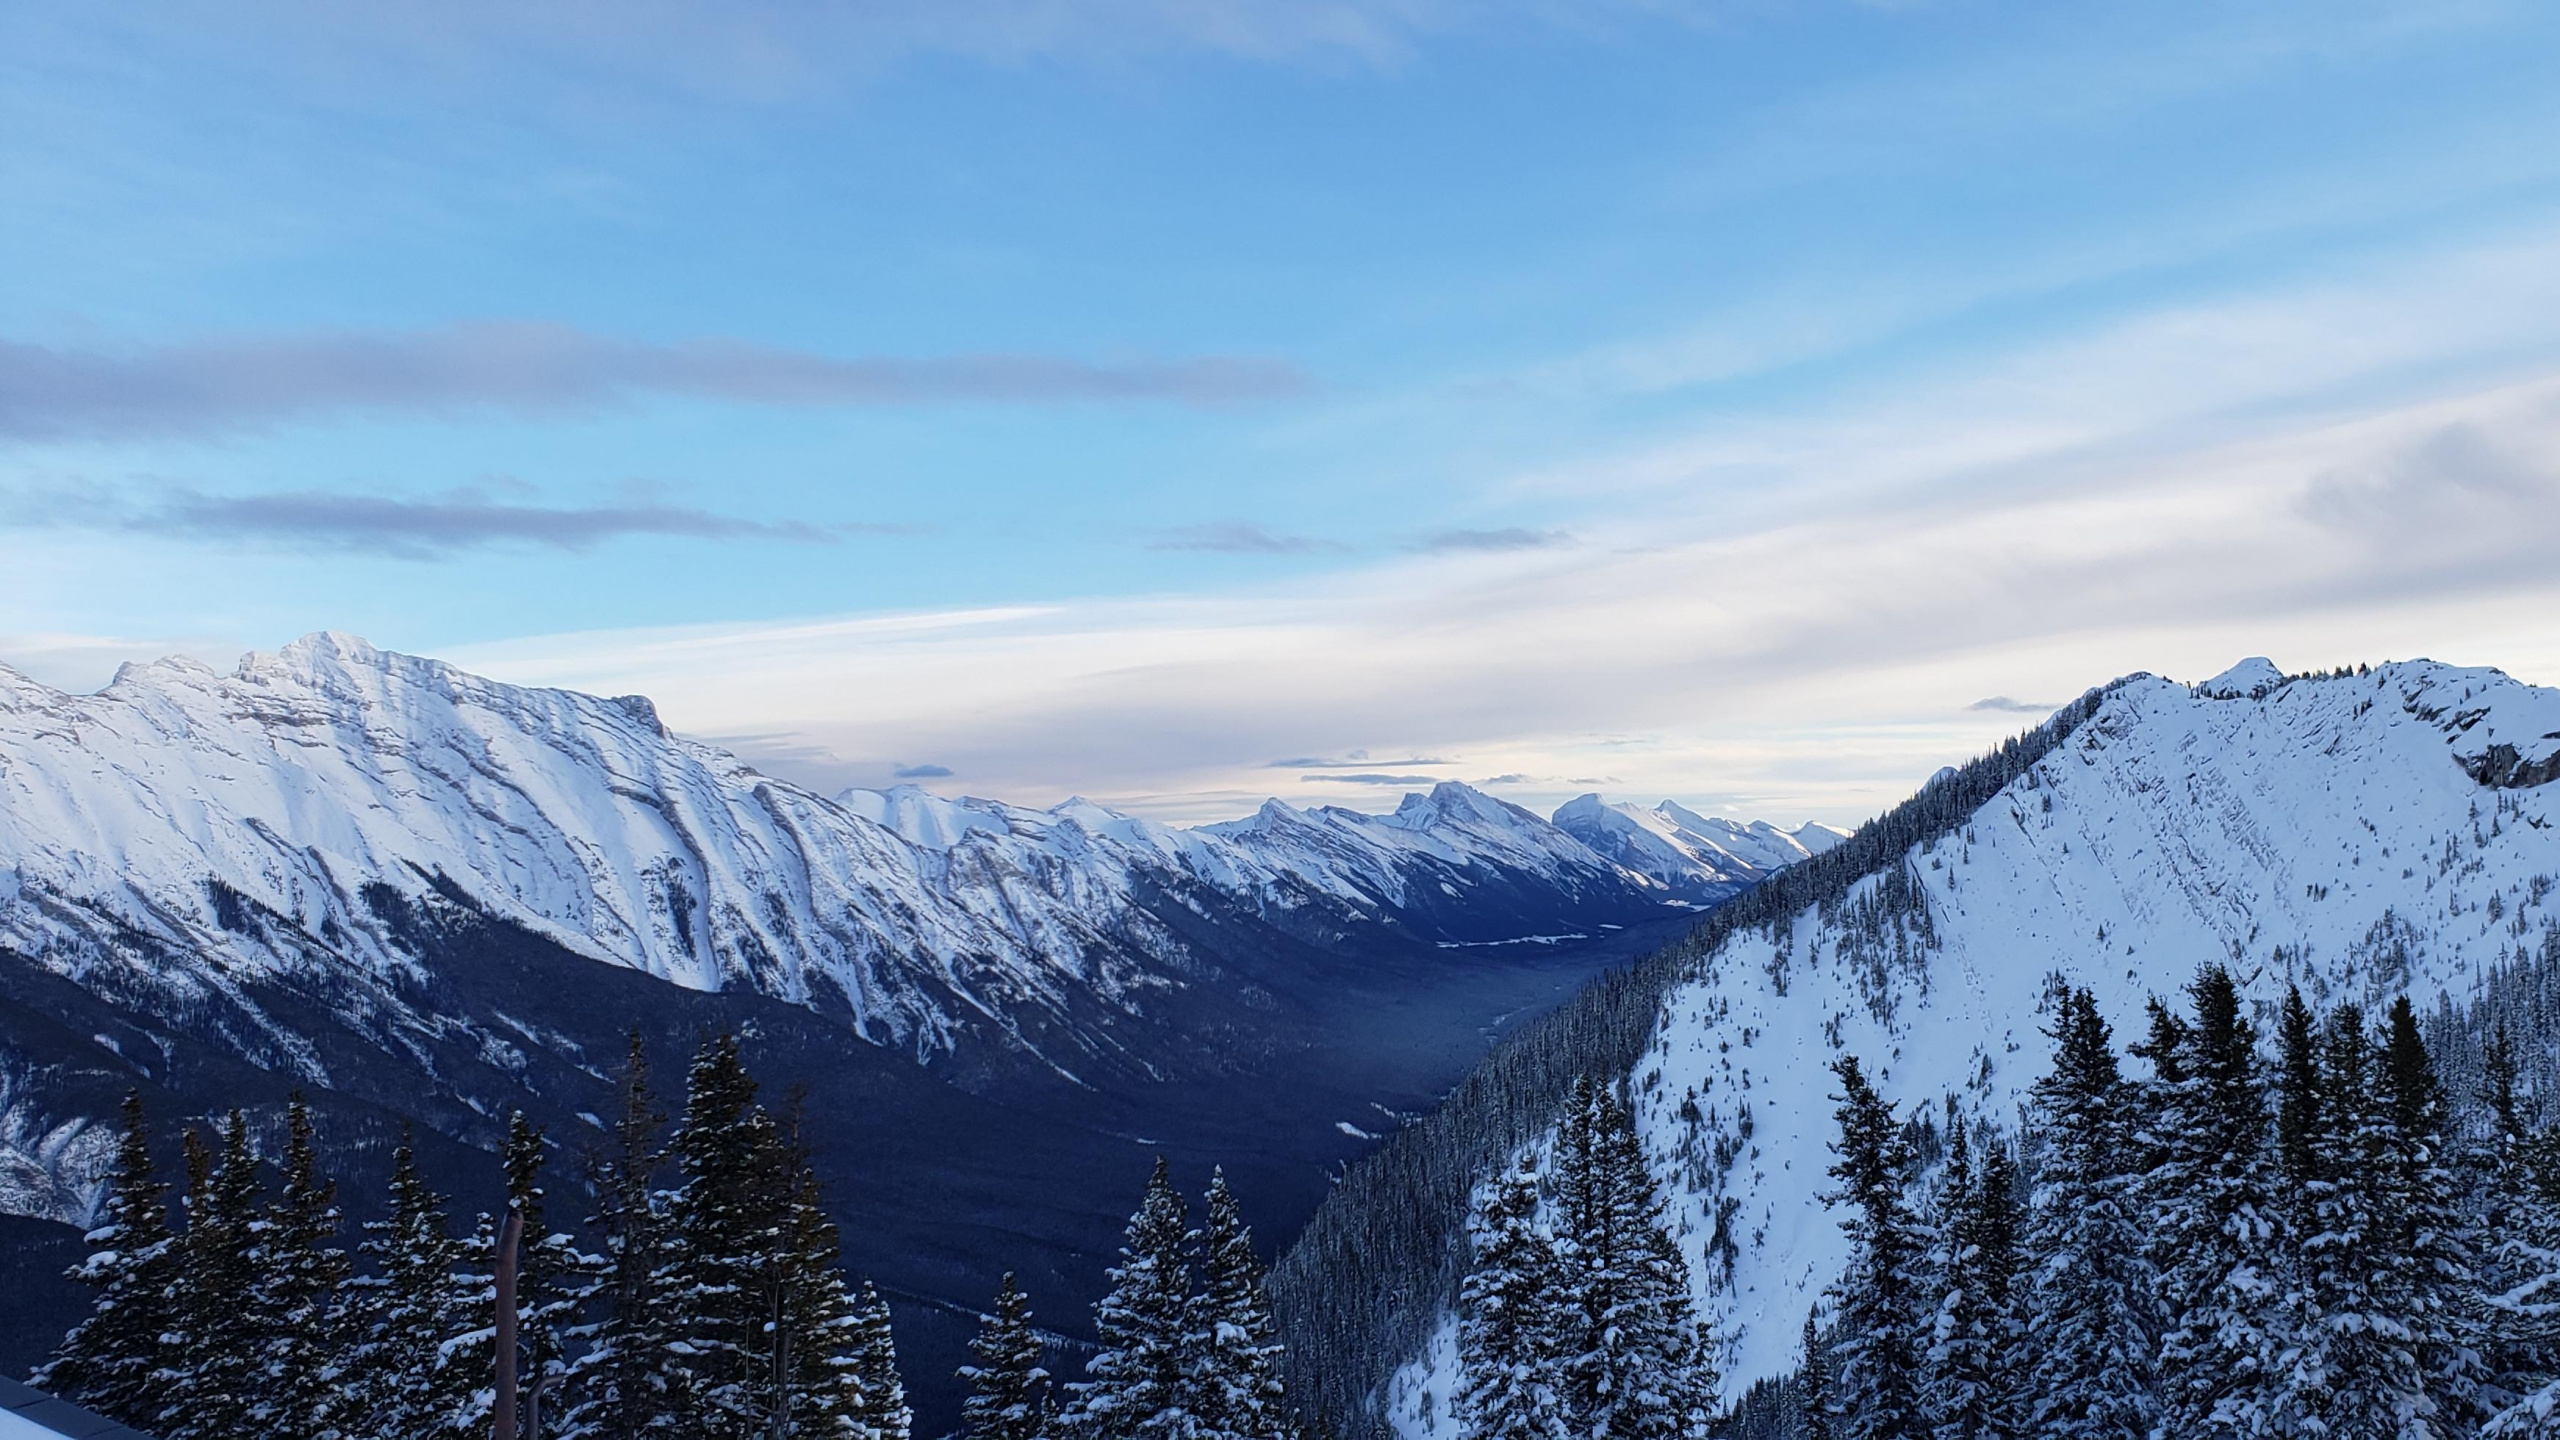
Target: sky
(1178,402)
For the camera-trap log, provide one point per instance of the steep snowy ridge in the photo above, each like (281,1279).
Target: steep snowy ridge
(1698,856)
(287,815)
(2360,835)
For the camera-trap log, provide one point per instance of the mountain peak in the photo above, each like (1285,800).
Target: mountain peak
(2248,680)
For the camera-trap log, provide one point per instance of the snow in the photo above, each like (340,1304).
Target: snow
(2247,680)
(14,1426)
(1685,851)
(2329,832)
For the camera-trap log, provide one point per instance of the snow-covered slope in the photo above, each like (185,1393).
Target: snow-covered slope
(1698,856)
(2361,835)
(206,828)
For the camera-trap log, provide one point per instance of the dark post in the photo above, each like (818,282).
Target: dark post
(509,1238)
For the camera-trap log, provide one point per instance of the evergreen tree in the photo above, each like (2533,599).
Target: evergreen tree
(1973,1340)
(215,1384)
(1634,1367)
(2361,1372)
(1236,1392)
(2525,1298)
(1138,1383)
(2091,1278)
(718,1238)
(294,1299)
(1815,1408)
(1509,1331)
(115,1360)
(1008,1387)
(1880,1329)
(2298,1121)
(401,1315)
(2213,1225)
(619,1384)
(884,1414)
(2431,1252)
(819,1365)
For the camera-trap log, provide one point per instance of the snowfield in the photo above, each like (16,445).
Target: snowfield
(2361,836)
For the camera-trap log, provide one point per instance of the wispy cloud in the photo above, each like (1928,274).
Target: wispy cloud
(457,520)
(1480,541)
(2006,706)
(1368,778)
(536,368)
(921,772)
(1239,537)
(1356,760)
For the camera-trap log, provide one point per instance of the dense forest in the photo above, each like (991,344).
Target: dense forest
(701,1299)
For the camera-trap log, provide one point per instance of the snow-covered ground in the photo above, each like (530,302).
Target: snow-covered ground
(2336,833)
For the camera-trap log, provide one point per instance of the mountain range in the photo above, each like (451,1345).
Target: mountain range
(2360,834)
(427,898)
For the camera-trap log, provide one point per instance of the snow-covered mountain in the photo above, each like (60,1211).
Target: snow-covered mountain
(2362,835)
(1699,856)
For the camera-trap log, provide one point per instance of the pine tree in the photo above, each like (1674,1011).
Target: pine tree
(1880,1328)
(2519,1294)
(2213,1225)
(114,1360)
(214,1383)
(2432,1252)
(885,1414)
(619,1384)
(295,1299)
(2361,1369)
(401,1315)
(1970,1385)
(2091,1278)
(1137,1387)
(818,1367)
(1008,1387)
(719,1222)
(1634,1365)
(1508,1326)
(1815,1407)
(1236,1392)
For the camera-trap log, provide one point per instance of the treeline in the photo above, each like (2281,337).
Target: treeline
(2261,1236)
(1367,1280)
(706,1303)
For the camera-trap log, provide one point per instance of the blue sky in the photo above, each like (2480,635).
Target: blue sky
(1713,400)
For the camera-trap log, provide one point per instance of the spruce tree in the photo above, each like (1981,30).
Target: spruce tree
(1815,1408)
(295,1298)
(1972,1343)
(1138,1383)
(1008,1387)
(1634,1365)
(2214,1228)
(619,1384)
(115,1360)
(2524,1301)
(2361,1370)
(817,1366)
(401,1315)
(1236,1391)
(2432,1250)
(718,1237)
(1509,1328)
(884,1414)
(1879,1326)
(215,1384)
(2090,1272)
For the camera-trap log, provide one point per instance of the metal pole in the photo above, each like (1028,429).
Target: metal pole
(509,1239)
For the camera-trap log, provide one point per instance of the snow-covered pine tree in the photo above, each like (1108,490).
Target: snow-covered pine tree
(1970,1384)
(884,1414)
(1236,1391)
(2432,1250)
(1815,1408)
(1137,1388)
(618,1385)
(1008,1387)
(553,1281)
(817,1366)
(113,1360)
(1509,1328)
(719,1222)
(1634,1365)
(213,1380)
(401,1314)
(2213,1226)
(2520,1271)
(2090,1279)
(1880,1326)
(2362,1374)
(295,1298)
